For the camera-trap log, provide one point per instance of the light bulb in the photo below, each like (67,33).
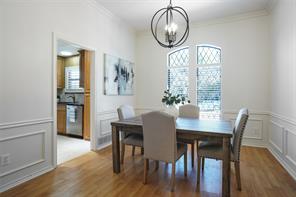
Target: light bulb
(174,27)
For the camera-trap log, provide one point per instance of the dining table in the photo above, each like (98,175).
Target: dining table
(186,128)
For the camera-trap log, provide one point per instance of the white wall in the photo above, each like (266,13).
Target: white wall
(245,44)
(26,130)
(1,63)
(282,137)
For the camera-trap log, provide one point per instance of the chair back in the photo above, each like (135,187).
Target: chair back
(238,131)
(159,133)
(125,112)
(189,111)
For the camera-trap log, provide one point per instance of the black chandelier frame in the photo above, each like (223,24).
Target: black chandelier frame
(168,11)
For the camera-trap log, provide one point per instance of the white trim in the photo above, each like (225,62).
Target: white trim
(231,19)
(235,112)
(251,112)
(106,112)
(23,135)
(26,178)
(284,118)
(22,167)
(291,160)
(102,146)
(283,163)
(105,133)
(93,142)
(280,149)
(261,131)
(32,163)
(287,131)
(222,20)
(24,123)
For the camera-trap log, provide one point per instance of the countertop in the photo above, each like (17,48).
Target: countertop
(70,103)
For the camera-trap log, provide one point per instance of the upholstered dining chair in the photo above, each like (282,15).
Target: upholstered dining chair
(160,143)
(209,149)
(189,111)
(125,112)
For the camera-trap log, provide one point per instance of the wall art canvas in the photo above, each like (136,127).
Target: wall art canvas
(111,74)
(126,77)
(118,76)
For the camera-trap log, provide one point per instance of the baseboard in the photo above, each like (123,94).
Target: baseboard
(25,179)
(255,145)
(283,163)
(100,147)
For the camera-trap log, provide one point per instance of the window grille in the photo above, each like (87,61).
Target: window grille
(209,82)
(178,70)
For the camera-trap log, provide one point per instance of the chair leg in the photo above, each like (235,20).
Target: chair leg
(192,155)
(198,171)
(122,152)
(173,176)
(146,163)
(142,151)
(185,163)
(203,164)
(237,174)
(133,151)
(156,163)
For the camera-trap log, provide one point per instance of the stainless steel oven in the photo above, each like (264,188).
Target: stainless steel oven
(74,120)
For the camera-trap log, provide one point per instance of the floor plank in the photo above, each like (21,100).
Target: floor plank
(91,175)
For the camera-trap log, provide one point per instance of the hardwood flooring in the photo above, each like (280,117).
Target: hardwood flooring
(91,175)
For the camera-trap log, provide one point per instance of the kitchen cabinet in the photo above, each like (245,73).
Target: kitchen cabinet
(86,117)
(85,61)
(61,119)
(60,72)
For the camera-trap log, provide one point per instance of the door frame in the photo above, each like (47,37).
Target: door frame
(93,143)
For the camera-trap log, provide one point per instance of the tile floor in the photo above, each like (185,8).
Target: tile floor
(69,148)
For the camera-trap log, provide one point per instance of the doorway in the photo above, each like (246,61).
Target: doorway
(73,99)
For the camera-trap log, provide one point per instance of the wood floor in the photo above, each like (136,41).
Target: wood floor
(91,175)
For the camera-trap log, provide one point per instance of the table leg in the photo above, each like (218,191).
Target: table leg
(115,150)
(226,168)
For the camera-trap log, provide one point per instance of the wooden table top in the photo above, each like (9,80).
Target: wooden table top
(215,128)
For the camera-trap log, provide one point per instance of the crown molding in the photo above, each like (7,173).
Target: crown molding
(231,19)
(217,21)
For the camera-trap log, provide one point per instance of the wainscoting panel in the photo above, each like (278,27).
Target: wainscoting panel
(291,147)
(276,136)
(29,147)
(256,133)
(21,142)
(103,127)
(282,138)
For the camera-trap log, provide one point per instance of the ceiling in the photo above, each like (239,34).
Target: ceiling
(138,13)
(66,49)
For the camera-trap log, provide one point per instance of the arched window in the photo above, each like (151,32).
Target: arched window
(209,81)
(178,69)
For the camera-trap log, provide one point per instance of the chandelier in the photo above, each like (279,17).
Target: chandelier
(164,26)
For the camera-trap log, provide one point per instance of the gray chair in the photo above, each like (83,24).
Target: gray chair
(189,111)
(160,143)
(126,112)
(210,149)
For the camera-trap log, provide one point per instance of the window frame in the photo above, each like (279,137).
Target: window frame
(67,80)
(170,67)
(209,65)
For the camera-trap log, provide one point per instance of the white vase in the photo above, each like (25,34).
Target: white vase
(172,110)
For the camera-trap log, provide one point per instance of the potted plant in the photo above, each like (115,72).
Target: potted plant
(172,101)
